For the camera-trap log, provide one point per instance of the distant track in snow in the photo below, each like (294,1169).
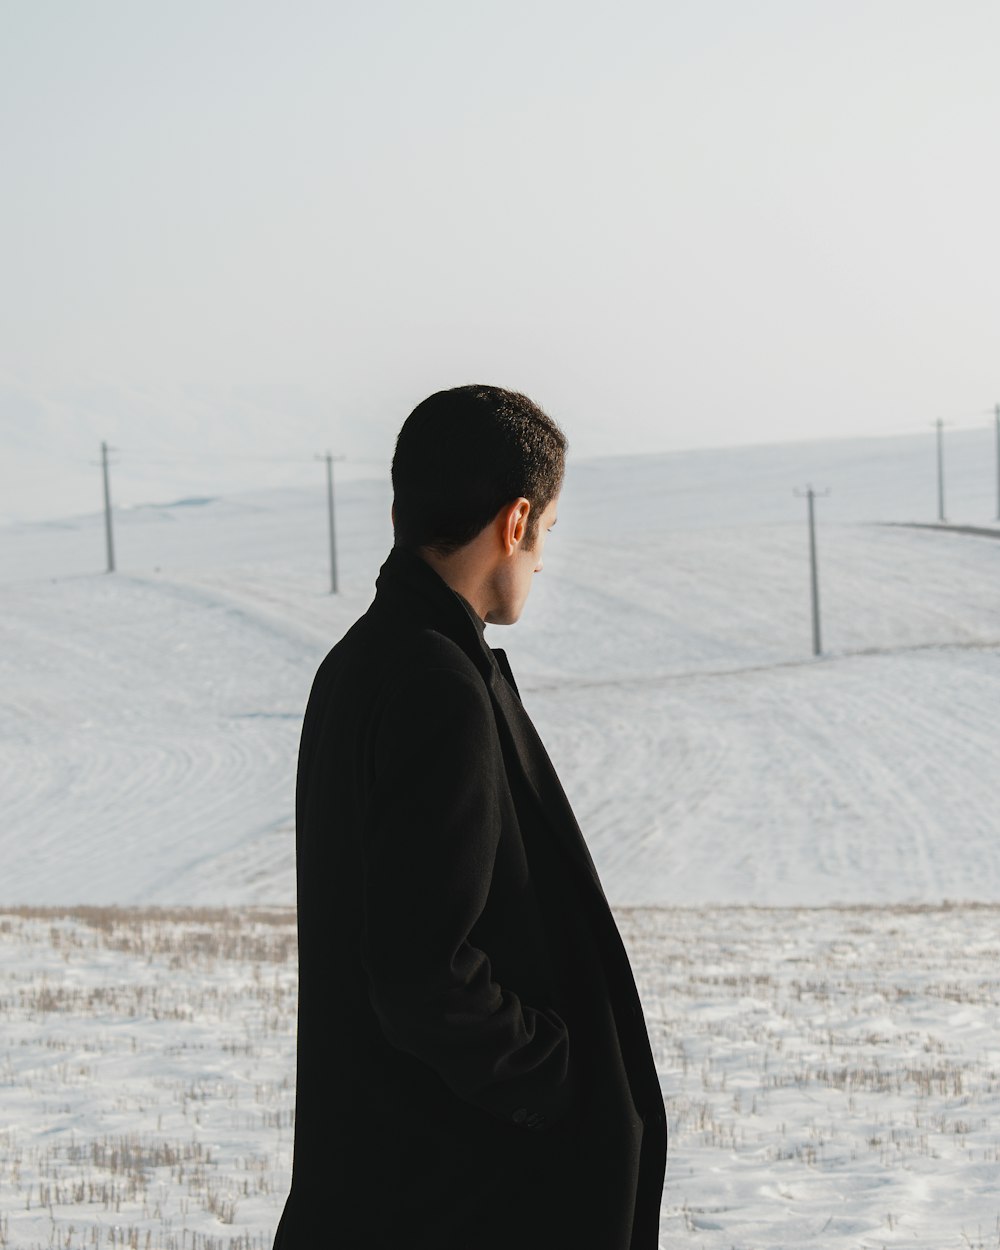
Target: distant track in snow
(943,528)
(148,740)
(873,781)
(552,686)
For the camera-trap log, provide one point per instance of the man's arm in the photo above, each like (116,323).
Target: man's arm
(430,841)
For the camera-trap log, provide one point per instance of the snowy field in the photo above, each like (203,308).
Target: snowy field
(149,720)
(831,1077)
(802,853)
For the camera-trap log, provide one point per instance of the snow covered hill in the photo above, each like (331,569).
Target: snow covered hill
(149,719)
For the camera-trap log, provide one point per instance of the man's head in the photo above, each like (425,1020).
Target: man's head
(475,472)
(464,453)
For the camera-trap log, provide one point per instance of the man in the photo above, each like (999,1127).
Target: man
(474,1071)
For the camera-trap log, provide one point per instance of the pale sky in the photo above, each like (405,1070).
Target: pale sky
(673,225)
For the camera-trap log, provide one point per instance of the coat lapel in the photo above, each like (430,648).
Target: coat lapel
(542,780)
(504,664)
(406,581)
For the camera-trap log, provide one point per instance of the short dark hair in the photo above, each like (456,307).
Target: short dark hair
(464,453)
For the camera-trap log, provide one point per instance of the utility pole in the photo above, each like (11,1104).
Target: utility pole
(996,417)
(940,466)
(329,507)
(811,495)
(107,509)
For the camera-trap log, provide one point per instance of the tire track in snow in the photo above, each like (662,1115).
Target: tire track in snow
(131,758)
(555,685)
(871,781)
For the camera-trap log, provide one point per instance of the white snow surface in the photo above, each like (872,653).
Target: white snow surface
(149,719)
(831,1076)
(778,835)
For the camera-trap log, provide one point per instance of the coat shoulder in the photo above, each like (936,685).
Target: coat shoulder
(378,662)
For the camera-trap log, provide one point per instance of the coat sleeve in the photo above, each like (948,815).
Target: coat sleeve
(430,841)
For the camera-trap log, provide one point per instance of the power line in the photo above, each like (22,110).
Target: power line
(219,455)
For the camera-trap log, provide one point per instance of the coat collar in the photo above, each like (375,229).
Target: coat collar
(409,583)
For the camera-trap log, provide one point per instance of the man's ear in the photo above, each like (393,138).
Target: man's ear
(515,523)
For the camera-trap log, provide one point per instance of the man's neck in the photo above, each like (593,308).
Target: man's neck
(462,571)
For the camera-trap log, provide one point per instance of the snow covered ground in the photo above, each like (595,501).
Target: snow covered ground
(149,719)
(831,1077)
(780,836)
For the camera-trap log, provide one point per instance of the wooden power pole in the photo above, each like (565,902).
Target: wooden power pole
(811,496)
(107,509)
(330,517)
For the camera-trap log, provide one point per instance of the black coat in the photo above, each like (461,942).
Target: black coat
(474,1071)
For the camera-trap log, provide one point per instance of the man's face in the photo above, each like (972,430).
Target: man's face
(514,579)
